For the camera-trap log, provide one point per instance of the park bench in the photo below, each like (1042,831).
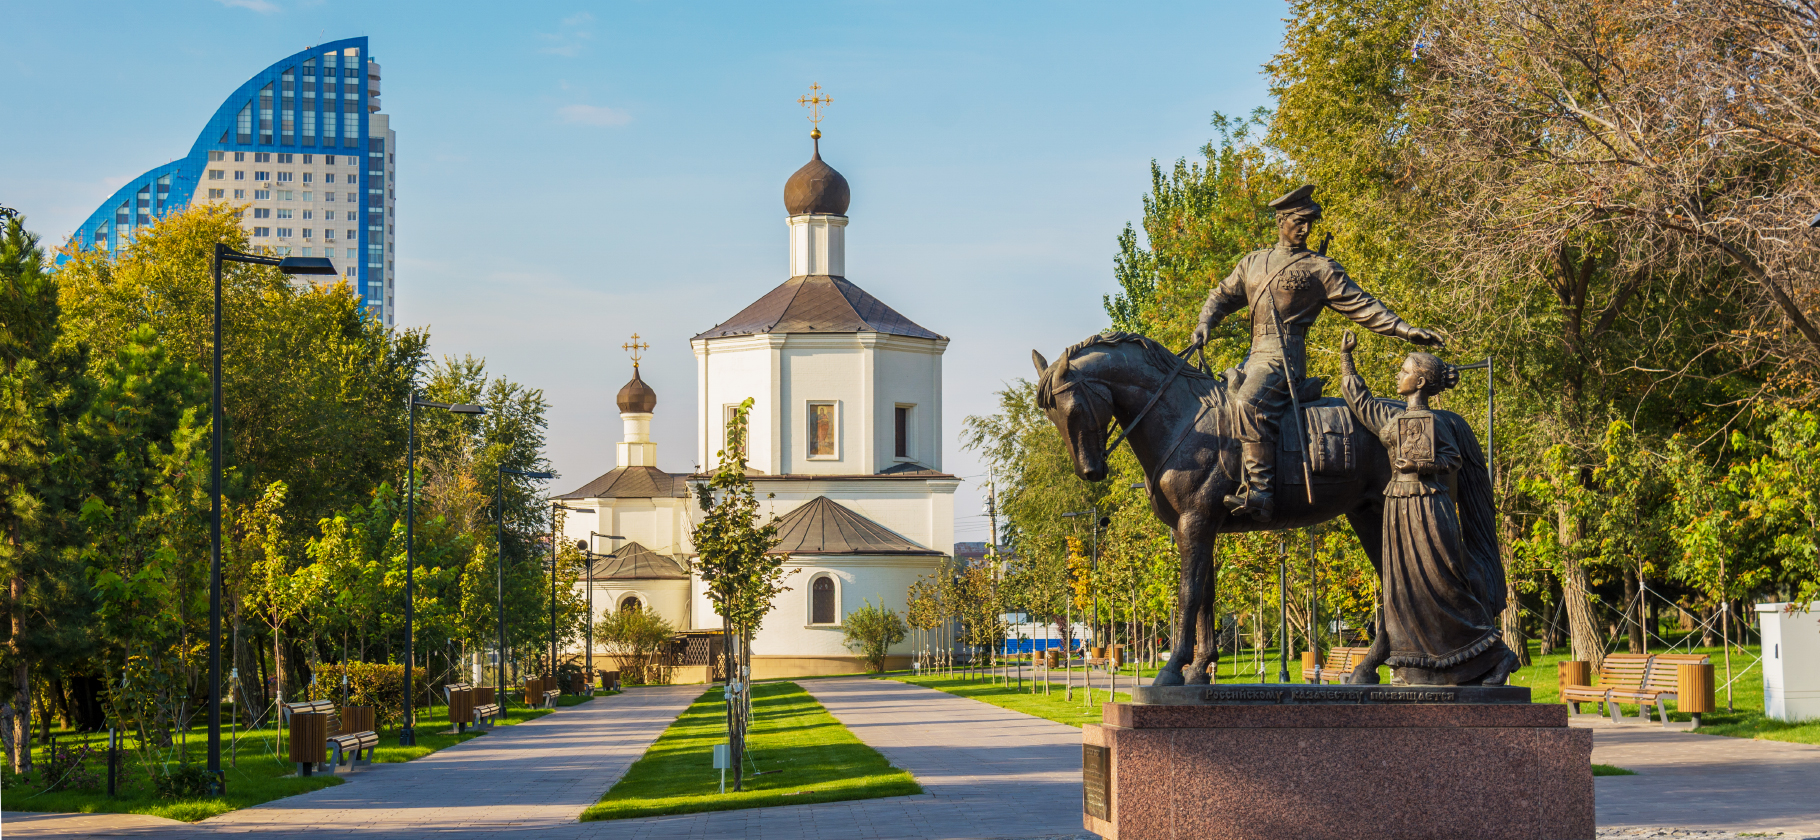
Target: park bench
(486,706)
(322,736)
(466,708)
(1663,683)
(1338,666)
(1619,672)
(541,692)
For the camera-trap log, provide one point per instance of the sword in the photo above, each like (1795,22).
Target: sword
(1295,404)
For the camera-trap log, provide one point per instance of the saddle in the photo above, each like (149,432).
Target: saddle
(1331,435)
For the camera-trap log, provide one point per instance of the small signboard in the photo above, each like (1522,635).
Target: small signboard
(1096,781)
(721,760)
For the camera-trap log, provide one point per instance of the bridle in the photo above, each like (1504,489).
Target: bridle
(1160,391)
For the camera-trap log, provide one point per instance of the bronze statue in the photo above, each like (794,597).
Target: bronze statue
(1440,606)
(1285,287)
(1187,429)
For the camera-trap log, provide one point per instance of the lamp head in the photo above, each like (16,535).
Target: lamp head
(306,265)
(468,408)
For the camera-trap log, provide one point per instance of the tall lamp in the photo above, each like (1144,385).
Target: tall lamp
(554,507)
(589,548)
(499,549)
(288,265)
(1098,523)
(407,736)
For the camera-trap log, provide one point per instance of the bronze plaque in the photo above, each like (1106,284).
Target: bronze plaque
(1096,781)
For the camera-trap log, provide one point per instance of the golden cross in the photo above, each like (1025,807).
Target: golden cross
(633,348)
(814,102)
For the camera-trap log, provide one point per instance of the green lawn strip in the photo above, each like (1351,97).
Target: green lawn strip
(1608,770)
(819,760)
(256,774)
(1052,706)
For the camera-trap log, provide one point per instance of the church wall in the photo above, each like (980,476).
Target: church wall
(886,580)
(660,525)
(728,370)
(908,372)
(669,597)
(831,368)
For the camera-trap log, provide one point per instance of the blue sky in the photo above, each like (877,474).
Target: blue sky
(571,173)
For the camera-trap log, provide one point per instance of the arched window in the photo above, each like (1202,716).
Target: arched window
(629,603)
(821,601)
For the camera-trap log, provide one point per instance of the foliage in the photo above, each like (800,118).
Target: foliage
(188,780)
(369,684)
(67,768)
(740,574)
(632,638)
(870,631)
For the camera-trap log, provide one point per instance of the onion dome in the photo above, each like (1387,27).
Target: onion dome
(636,397)
(816,188)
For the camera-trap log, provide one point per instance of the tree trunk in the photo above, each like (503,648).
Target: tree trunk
(1511,620)
(1633,612)
(22,681)
(1582,625)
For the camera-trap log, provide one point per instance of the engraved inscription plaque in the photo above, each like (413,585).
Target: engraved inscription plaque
(1096,781)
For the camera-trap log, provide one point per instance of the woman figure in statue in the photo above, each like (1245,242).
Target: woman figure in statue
(1440,628)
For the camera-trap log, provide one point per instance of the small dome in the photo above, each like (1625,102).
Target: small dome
(637,397)
(817,189)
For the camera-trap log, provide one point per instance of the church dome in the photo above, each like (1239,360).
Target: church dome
(637,397)
(817,189)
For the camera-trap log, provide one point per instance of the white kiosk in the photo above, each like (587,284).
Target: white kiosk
(1791,661)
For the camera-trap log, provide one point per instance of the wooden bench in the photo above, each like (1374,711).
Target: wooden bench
(541,692)
(466,708)
(1339,665)
(347,736)
(1620,672)
(486,706)
(1663,683)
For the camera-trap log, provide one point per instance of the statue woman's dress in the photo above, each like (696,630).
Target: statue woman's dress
(1440,631)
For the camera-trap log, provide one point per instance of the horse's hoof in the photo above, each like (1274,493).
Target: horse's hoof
(1167,676)
(1199,678)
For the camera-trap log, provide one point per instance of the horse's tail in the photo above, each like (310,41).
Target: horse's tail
(1478,518)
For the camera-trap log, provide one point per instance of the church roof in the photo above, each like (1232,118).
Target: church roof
(817,188)
(632,483)
(818,303)
(635,562)
(636,396)
(824,526)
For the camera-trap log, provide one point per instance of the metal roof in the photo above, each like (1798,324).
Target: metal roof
(635,562)
(824,526)
(632,483)
(818,303)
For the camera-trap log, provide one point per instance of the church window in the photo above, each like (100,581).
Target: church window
(821,430)
(903,431)
(821,601)
(629,603)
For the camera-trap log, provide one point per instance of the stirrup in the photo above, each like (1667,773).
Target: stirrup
(1251,503)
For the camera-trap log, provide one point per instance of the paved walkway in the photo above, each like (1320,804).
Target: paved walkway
(986,772)
(1692,781)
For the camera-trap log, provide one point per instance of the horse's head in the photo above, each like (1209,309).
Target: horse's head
(1081,409)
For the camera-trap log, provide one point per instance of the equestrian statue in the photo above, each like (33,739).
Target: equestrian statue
(1210,447)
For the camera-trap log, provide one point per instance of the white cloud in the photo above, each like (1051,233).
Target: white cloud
(567,43)
(264,7)
(593,115)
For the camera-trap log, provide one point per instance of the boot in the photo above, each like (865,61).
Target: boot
(1260,473)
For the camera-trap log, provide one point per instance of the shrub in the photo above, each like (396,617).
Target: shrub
(373,684)
(187,781)
(67,769)
(632,638)
(871,631)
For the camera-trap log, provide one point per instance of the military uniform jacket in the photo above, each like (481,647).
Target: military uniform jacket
(1309,283)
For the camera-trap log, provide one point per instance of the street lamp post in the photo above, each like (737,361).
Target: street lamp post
(554,507)
(288,265)
(589,548)
(499,551)
(407,736)
(1098,523)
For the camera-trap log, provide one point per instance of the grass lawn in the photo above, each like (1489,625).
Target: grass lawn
(806,756)
(1054,706)
(256,774)
(1608,770)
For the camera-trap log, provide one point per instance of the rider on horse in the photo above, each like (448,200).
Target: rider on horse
(1285,288)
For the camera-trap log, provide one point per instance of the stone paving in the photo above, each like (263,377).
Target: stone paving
(1691,781)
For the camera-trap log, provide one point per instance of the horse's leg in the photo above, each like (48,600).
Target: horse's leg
(1207,644)
(1194,542)
(1369,525)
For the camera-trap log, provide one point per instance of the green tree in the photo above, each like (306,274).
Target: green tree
(870,631)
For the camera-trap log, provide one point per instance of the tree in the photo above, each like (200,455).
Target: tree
(871,631)
(733,556)
(632,637)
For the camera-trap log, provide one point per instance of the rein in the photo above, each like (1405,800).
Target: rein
(1160,391)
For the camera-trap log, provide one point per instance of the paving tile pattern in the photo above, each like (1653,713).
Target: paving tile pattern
(1686,780)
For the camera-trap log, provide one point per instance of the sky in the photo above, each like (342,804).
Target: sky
(569,174)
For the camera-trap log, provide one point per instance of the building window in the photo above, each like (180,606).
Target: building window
(306,235)
(726,422)
(241,194)
(307,214)
(261,213)
(215,156)
(329,178)
(217,174)
(262,195)
(352,234)
(262,231)
(329,215)
(262,176)
(239,175)
(284,157)
(262,157)
(308,196)
(630,603)
(328,159)
(306,177)
(240,157)
(284,233)
(217,193)
(822,421)
(328,196)
(328,234)
(821,601)
(307,160)
(285,176)
(903,431)
(351,198)
(284,195)
(284,214)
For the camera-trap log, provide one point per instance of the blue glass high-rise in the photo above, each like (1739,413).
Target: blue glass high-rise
(303,147)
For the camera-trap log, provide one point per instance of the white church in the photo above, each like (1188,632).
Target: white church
(845,448)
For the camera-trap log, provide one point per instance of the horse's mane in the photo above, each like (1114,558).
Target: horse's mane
(1155,354)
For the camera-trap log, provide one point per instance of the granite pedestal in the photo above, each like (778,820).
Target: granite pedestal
(1309,762)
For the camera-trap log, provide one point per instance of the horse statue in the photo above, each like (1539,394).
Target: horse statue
(1180,425)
